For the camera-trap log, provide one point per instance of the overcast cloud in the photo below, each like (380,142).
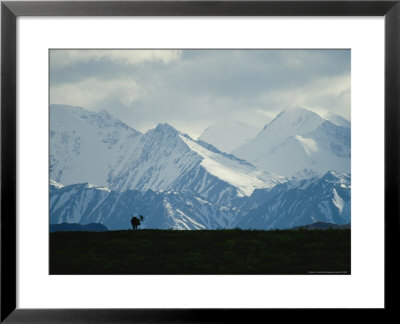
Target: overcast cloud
(192,89)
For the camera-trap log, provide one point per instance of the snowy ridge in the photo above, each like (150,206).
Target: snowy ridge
(298,141)
(166,159)
(286,205)
(159,158)
(324,199)
(83,204)
(99,149)
(85,146)
(243,176)
(103,171)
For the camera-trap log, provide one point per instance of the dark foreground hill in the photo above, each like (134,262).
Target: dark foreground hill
(201,252)
(322,226)
(75,227)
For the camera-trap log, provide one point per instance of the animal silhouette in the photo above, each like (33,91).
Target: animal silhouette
(135,222)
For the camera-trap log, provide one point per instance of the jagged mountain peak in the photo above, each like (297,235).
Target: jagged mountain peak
(296,140)
(189,184)
(72,117)
(299,114)
(325,199)
(165,127)
(109,116)
(334,176)
(297,110)
(86,145)
(168,159)
(294,121)
(162,130)
(283,206)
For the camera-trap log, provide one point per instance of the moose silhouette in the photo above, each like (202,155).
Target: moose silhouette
(135,222)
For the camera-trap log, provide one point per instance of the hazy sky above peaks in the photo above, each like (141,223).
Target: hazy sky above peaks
(193,89)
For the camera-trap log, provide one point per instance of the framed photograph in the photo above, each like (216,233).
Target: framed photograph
(209,178)
(161,160)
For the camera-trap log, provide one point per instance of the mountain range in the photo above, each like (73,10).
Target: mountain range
(103,171)
(325,199)
(300,143)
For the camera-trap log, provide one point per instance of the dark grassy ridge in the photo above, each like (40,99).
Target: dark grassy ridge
(200,252)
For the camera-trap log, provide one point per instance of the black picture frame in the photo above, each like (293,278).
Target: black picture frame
(10,10)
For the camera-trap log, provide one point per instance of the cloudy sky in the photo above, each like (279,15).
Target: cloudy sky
(192,89)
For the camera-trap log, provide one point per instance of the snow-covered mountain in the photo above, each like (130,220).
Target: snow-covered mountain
(181,183)
(85,146)
(286,205)
(166,159)
(326,199)
(299,143)
(228,134)
(97,148)
(85,204)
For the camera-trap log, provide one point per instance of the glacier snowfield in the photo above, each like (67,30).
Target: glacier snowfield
(295,171)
